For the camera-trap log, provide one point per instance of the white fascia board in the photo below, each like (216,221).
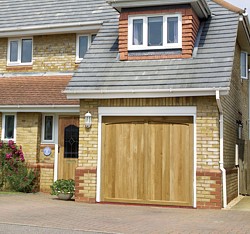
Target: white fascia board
(41,108)
(51,29)
(110,94)
(199,5)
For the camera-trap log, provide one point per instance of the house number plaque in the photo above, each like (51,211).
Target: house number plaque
(47,151)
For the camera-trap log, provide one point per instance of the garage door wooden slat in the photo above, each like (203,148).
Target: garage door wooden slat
(147,160)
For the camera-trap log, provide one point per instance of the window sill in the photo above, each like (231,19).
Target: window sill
(19,67)
(78,61)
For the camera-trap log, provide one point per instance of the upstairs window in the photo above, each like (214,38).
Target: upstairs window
(155,32)
(82,45)
(20,51)
(9,127)
(244,65)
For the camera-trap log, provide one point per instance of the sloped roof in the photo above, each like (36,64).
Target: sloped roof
(102,72)
(28,13)
(34,90)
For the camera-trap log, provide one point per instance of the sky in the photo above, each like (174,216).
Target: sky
(241,4)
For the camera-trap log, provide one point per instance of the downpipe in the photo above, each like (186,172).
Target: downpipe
(221,161)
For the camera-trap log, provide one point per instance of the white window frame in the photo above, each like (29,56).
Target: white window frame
(3,126)
(78,59)
(19,53)
(145,46)
(43,129)
(246,58)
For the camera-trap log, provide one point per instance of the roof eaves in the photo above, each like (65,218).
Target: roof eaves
(229,6)
(106,94)
(200,6)
(50,29)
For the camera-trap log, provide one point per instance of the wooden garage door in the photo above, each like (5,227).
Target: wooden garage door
(147,160)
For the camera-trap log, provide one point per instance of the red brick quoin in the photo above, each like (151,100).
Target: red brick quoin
(81,192)
(209,189)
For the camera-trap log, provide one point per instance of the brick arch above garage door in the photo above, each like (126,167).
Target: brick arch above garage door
(147,160)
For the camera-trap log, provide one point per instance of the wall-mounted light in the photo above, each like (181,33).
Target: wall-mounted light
(240,127)
(88,120)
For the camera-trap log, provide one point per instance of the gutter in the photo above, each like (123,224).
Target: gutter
(143,93)
(40,108)
(221,162)
(50,28)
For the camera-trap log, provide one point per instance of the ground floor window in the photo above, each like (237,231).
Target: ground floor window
(48,128)
(9,127)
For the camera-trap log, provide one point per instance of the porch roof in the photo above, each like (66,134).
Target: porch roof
(34,90)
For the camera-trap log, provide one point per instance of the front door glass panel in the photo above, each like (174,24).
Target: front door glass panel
(71,143)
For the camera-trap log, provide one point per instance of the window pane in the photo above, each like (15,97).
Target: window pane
(138,32)
(13,51)
(48,128)
(9,127)
(173,30)
(93,37)
(243,64)
(71,144)
(155,31)
(83,45)
(26,56)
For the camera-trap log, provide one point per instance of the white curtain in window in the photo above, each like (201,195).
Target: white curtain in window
(138,32)
(172,29)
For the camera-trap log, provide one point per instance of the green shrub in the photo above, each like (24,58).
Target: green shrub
(63,186)
(14,172)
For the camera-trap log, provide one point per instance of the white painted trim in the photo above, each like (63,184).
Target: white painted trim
(195,163)
(41,108)
(3,126)
(145,46)
(144,111)
(51,29)
(43,129)
(201,6)
(78,59)
(19,53)
(56,148)
(143,93)
(246,61)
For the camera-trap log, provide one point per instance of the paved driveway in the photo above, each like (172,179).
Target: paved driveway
(42,213)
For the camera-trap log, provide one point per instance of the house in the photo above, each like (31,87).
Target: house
(141,102)
(166,86)
(42,44)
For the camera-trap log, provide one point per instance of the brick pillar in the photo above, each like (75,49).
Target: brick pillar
(209,189)
(85,185)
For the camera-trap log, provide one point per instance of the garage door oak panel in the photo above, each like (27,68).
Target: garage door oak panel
(147,160)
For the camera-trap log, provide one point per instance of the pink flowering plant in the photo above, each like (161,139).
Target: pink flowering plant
(14,172)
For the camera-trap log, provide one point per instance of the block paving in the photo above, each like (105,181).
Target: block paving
(46,211)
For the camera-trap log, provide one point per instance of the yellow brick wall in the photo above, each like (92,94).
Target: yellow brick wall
(3,52)
(234,104)
(46,179)
(207,124)
(235,107)
(51,53)
(28,134)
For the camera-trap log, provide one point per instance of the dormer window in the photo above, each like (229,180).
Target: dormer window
(20,51)
(155,32)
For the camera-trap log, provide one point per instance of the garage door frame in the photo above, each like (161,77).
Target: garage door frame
(144,111)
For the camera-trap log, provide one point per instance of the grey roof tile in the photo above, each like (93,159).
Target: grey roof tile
(27,13)
(211,68)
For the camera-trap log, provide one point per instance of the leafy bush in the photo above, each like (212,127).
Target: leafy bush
(14,172)
(63,186)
